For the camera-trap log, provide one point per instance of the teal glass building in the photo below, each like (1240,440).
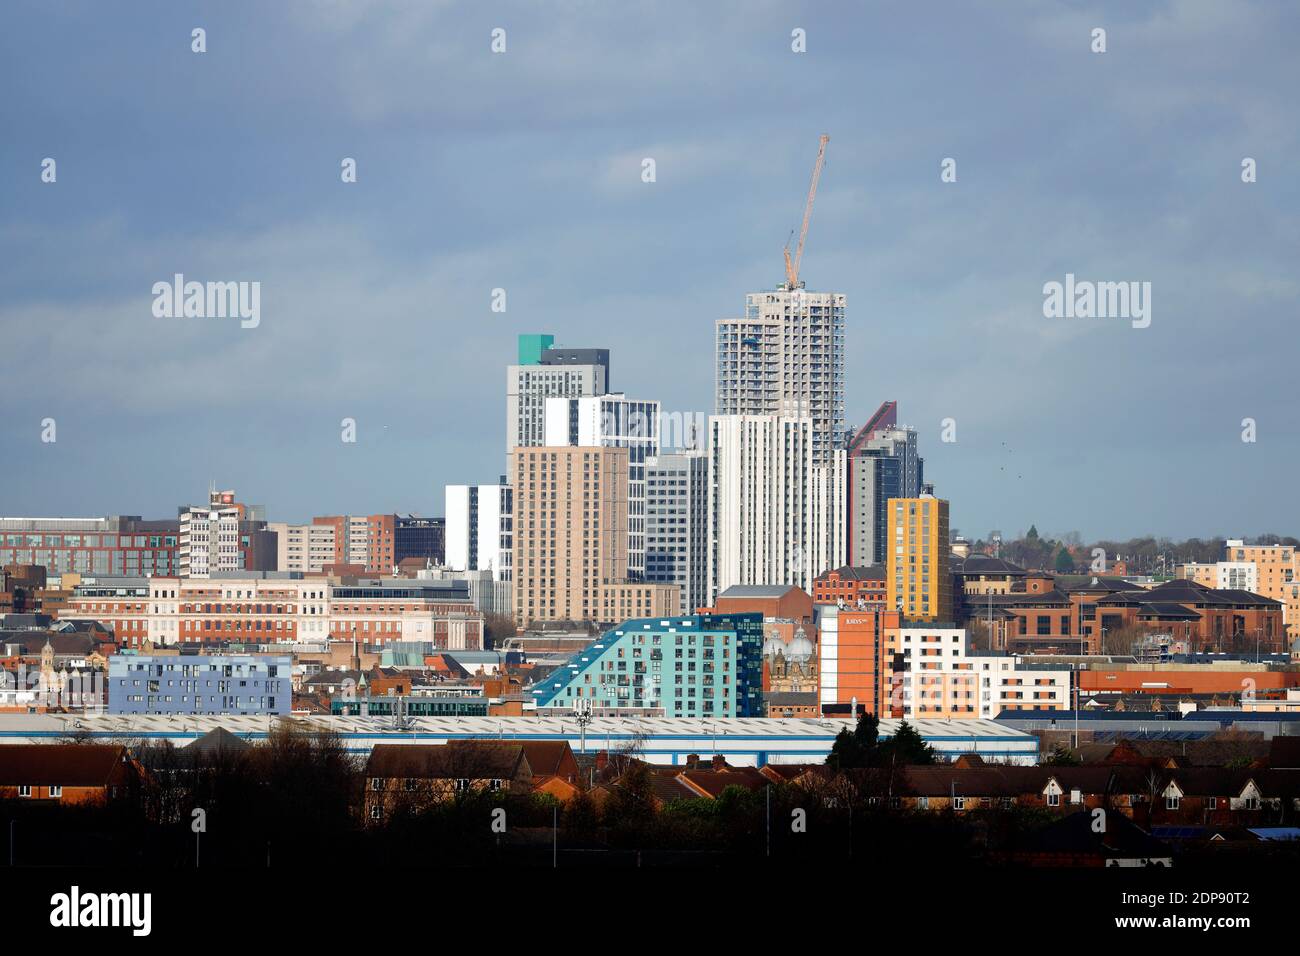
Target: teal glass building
(707,665)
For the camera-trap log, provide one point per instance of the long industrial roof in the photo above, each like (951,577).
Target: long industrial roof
(550,726)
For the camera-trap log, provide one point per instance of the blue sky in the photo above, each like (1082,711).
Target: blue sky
(522,171)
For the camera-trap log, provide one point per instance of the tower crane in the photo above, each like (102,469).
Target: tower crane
(792,268)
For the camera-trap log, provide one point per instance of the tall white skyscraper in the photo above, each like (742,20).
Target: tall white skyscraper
(776,516)
(612,421)
(479,531)
(786,357)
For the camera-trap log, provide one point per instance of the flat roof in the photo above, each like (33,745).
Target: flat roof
(549,726)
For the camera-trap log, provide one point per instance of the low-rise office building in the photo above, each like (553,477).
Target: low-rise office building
(193,684)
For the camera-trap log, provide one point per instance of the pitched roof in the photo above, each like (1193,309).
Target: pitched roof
(757,590)
(871,572)
(1168,611)
(711,783)
(219,740)
(987,564)
(545,756)
(62,765)
(472,759)
(1092,582)
(1208,781)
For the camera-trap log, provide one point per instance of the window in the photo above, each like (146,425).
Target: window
(1172,801)
(24,791)
(56,792)
(1053,799)
(376,812)
(376,783)
(959,803)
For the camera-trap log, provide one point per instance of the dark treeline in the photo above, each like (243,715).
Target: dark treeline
(1144,555)
(297,802)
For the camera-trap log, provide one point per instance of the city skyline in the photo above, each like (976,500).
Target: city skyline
(376,295)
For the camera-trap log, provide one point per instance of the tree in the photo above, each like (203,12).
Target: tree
(1064,563)
(845,753)
(981,637)
(867,736)
(906,747)
(1061,756)
(581,816)
(861,748)
(631,798)
(497,628)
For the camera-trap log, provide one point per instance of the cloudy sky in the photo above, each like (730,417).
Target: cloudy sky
(522,171)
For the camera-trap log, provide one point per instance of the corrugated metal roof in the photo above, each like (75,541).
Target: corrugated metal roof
(548,726)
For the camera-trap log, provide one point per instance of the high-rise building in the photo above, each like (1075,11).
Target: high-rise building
(883,463)
(351,538)
(709,665)
(786,357)
(418,537)
(224,535)
(677,525)
(1276,575)
(378,543)
(855,659)
(544,371)
(917,563)
(613,421)
(775,515)
(303,547)
(479,535)
(570,530)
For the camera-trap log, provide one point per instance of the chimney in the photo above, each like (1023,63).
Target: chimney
(602,760)
(692,761)
(719,762)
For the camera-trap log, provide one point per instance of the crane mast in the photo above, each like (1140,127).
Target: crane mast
(792,268)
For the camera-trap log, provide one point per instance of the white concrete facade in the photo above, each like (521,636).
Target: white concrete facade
(775,516)
(941,678)
(478,530)
(786,357)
